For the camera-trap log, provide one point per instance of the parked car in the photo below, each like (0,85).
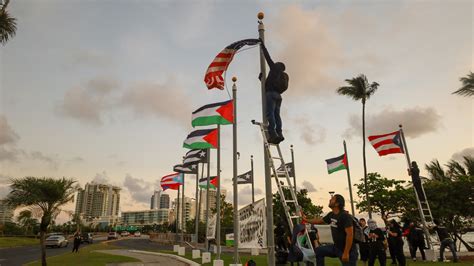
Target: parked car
(86,237)
(56,241)
(137,234)
(112,235)
(125,233)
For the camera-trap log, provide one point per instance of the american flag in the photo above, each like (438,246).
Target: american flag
(387,143)
(214,74)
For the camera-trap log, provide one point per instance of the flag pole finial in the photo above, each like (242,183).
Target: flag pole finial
(400,126)
(234,79)
(260,15)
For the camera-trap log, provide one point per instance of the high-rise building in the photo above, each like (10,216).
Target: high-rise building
(212,201)
(189,209)
(6,213)
(98,202)
(160,200)
(147,217)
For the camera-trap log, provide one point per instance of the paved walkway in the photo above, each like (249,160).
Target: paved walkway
(146,258)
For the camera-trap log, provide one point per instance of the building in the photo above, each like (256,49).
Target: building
(159,200)
(6,213)
(98,203)
(147,217)
(212,201)
(189,209)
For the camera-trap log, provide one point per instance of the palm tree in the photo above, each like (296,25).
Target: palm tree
(46,195)
(467,88)
(455,169)
(360,89)
(25,218)
(7,24)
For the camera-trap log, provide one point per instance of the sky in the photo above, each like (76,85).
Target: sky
(103,90)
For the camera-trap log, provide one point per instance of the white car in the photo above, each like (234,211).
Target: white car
(56,241)
(125,233)
(112,235)
(137,234)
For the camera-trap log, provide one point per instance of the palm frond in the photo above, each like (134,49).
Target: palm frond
(7,27)
(436,171)
(469,165)
(467,88)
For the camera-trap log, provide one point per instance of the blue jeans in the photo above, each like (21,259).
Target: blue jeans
(448,242)
(273,102)
(333,252)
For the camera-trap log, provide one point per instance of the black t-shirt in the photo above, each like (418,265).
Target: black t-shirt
(313,234)
(378,240)
(442,232)
(338,222)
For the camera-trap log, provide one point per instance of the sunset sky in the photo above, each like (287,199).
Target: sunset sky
(104,90)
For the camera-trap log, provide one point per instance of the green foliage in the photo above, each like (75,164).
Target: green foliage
(387,196)
(467,88)
(7,24)
(359,88)
(305,202)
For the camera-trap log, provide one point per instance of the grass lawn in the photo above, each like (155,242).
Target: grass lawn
(262,260)
(86,256)
(10,242)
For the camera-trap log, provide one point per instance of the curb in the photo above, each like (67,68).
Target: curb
(190,262)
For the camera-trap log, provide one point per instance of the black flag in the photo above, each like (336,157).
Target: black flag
(192,169)
(290,167)
(246,178)
(195,157)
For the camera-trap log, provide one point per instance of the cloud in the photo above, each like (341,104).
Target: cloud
(308,186)
(7,134)
(416,121)
(310,133)
(161,100)
(89,58)
(140,189)
(80,104)
(459,156)
(245,194)
(52,162)
(101,178)
(308,50)
(4,190)
(77,159)
(102,85)
(11,154)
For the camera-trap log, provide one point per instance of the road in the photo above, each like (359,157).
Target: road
(21,255)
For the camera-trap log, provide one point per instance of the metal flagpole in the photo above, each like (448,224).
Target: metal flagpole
(294,170)
(251,167)
(268,180)
(207,196)
(183,210)
(349,177)
(218,199)
(236,193)
(405,148)
(177,215)
(196,217)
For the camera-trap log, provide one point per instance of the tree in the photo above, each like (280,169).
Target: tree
(227,218)
(360,89)
(467,88)
(25,218)
(47,195)
(455,169)
(388,197)
(303,200)
(7,24)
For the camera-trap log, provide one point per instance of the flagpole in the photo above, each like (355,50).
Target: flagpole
(251,167)
(349,177)
(218,200)
(236,193)
(405,148)
(294,168)
(177,215)
(196,217)
(268,180)
(183,210)
(207,196)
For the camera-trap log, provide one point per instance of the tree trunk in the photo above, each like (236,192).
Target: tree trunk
(43,248)
(365,163)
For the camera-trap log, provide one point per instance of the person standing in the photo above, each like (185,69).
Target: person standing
(77,241)
(446,241)
(376,244)
(417,241)
(342,231)
(275,84)
(364,246)
(395,242)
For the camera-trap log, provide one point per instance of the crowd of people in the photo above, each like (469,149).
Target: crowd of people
(348,245)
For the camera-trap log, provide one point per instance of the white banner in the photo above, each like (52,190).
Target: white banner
(211,227)
(252,223)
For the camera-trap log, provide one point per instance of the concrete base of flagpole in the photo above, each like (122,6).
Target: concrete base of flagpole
(218,263)
(181,251)
(206,257)
(196,253)
(175,248)
(235,264)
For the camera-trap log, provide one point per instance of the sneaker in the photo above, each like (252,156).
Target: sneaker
(414,259)
(279,139)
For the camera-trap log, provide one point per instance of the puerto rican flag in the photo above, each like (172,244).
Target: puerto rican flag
(214,74)
(387,143)
(171,181)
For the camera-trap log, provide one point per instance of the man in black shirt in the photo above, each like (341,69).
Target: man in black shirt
(376,244)
(364,246)
(342,231)
(416,239)
(445,240)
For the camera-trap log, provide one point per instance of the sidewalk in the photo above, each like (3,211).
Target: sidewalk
(148,258)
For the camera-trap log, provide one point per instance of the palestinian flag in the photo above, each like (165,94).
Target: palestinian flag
(201,139)
(336,164)
(212,182)
(221,113)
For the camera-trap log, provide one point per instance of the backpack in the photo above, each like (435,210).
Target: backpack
(359,236)
(280,83)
